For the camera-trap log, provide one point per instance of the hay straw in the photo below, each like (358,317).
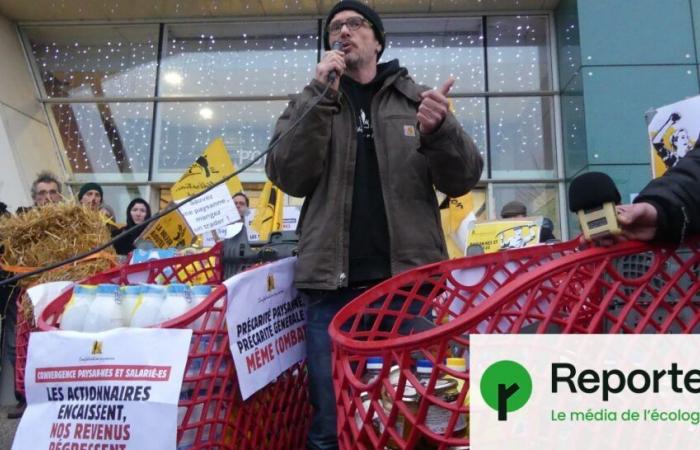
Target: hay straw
(26,308)
(53,233)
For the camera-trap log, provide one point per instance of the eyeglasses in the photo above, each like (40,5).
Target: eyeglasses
(353,24)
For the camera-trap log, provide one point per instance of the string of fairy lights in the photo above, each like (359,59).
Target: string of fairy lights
(495,54)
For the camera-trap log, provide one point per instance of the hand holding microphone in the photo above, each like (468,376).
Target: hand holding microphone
(639,221)
(593,197)
(332,65)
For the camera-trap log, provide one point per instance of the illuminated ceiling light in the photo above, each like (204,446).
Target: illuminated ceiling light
(206,113)
(173,78)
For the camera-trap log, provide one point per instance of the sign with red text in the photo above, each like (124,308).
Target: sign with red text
(118,389)
(266,324)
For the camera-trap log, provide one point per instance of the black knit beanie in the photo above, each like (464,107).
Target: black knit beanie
(367,12)
(89,187)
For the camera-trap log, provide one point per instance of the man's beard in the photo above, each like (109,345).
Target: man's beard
(352,62)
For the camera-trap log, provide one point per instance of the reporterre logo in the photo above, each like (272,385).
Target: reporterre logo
(506,386)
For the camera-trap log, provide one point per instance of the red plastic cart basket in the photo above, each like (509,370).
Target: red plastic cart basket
(211,412)
(22,330)
(628,288)
(202,266)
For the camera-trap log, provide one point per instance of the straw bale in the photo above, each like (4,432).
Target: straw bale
(53,233)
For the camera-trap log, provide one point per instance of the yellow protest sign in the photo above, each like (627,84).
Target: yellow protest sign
(169,231)
(504,234)
(213,165)
(269,213)
(210,167)
(456,218)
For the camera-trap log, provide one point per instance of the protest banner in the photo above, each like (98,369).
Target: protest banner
(290,218)
(457,216)
(269,212)
(210,211)
(456,221)
(103,390)
(266,324)
(169,231)
(504,234)
(210,167)
(673,132)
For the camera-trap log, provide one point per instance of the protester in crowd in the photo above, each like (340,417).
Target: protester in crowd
(46,189)
(668,208)
(137,213)
(367,175)
(3,210)
(242,204)
(514,209)
(91,195)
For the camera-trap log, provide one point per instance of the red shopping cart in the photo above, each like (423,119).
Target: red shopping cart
(212,414)
(628,288)
(22,330)
(202,267)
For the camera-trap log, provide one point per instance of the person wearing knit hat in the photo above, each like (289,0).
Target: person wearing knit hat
(365,11)
(90,194)
(368,146)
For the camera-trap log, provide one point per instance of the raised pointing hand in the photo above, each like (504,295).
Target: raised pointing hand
(434,107)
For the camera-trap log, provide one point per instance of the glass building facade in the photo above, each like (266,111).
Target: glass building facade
(132,105)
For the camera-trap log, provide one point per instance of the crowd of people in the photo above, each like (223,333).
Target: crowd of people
(370,147)
(46,189)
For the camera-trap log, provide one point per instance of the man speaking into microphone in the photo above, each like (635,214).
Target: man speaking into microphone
(366,158)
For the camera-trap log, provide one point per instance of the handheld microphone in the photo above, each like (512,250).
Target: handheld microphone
(337,45)
(593,197)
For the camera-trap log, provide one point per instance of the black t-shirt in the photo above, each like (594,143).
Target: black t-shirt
(369,232)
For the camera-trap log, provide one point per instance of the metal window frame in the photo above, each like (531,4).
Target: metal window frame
(153,186)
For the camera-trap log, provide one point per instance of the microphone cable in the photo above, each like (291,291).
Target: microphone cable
(170,209)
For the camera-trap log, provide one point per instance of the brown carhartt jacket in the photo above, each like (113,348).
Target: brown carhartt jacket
(316,160)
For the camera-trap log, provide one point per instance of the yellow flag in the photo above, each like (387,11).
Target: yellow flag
(454,223)
(170,230)
(453,250)
(213,165)
(459,209)
(269,213)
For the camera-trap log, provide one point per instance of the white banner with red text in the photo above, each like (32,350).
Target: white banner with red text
(116,390)
(266,324)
